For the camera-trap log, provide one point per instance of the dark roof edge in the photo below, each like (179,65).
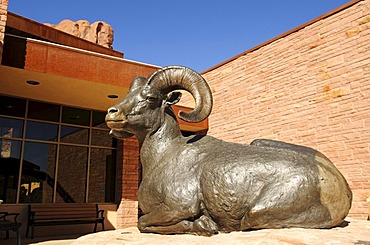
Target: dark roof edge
(347,5)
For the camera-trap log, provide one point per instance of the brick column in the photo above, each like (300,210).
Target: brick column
(3,16)
(127,213)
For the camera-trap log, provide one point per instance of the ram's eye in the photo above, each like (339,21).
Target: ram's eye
(150,99)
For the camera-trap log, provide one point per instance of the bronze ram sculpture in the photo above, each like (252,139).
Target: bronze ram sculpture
(203,185)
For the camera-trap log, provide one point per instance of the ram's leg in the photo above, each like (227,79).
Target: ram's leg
(179,228)
(202,226)
(163,215)
(165,221)
(205,226)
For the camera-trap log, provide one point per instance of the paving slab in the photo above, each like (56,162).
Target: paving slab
(354,232)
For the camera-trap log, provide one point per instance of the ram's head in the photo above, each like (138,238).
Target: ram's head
(142,110)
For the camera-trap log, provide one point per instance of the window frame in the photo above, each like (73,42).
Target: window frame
(90,146)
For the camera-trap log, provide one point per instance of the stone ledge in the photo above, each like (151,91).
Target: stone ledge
(356,232)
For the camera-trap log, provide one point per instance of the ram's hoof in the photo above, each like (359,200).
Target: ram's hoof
(205,226)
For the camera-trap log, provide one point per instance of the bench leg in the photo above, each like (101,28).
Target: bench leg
(32,232)
(28,228)
(18,237)
(6,234)
(96,226)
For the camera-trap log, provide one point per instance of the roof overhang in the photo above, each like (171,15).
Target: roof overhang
(59,89)
(71,76)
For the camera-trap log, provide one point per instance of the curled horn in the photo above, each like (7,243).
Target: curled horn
(170,78)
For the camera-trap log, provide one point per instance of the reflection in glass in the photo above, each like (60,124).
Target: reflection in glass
(102,186)
(41,131)
(76,116)
(41,147)
(11,128)
(98,119)
(74,135)
(10,149)
(43,111)
(9,169)
(38,168)
(72,167)
(101,138)
(12,106)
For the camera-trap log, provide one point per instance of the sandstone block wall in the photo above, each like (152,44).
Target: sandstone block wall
(3,16)
(127,185)
(310,86)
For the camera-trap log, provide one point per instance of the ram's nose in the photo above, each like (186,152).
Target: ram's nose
(115,117)
(113,110)
(114,113)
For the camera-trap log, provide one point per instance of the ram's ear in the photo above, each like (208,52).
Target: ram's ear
(173,98)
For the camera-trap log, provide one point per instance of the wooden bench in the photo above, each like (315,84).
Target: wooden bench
(64,214)
(9,225)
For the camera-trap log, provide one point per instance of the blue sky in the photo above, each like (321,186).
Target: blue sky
(194,33)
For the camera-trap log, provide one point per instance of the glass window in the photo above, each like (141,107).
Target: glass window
(98,119)
(74,135)
(9,166)
(101,138)
(11,128)
(12,106)
(10,148)
(46,153)
(72,168)
(41,131)
(76,116)
(38,168)
(43,111)
(101,186)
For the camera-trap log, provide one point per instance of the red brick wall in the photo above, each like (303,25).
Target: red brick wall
(127,212)
(310,87)
(3,17)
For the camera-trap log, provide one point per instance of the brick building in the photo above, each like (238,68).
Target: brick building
(309,86)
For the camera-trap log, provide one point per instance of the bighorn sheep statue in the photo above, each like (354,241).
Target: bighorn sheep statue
(203,185)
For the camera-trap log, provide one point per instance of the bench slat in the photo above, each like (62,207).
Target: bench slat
(57,210)
(64,220)
(65,217)
(66,212)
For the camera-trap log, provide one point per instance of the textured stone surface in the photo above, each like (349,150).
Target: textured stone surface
(310,87)
(98,32)
(356,232)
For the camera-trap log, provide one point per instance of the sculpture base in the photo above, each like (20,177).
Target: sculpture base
(356,232)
